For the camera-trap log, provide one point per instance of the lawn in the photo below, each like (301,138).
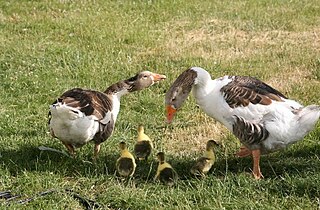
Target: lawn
(48,47)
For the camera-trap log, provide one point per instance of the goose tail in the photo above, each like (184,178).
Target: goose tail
(308,117)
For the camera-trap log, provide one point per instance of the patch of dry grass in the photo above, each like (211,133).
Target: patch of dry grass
(190,137)
(284,81)
(216,39)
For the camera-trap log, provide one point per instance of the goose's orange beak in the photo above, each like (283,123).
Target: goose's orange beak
(158,77)
(170,113)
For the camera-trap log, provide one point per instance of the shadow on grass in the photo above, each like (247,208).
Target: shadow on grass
(30,158)
(300,163)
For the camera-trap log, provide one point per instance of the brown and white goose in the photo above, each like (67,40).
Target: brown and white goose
(261,117)
(79,116)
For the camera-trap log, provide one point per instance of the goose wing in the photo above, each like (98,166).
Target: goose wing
(91,103)
(243,90)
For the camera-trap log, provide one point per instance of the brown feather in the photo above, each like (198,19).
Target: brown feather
(250,134)
(90,102)
(125,166)
(142,150)
(182,85)
(242,91)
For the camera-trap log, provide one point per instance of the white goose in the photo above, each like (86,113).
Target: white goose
(261,117)
(79,116)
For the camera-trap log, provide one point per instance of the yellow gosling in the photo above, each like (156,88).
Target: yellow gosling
(165,172)
(204,163)
(125,164)
(143,146)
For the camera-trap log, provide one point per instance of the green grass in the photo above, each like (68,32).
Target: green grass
(47,47)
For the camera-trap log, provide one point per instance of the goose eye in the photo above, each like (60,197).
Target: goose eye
(74,111)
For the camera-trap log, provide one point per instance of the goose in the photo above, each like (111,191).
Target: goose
(165,173)
(143,146)
(203,164)
(79,115)
(125,164)
(261,117)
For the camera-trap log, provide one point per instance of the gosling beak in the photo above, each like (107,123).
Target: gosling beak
(170,113)
(158,77)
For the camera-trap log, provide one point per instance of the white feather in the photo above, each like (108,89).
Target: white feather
(71,125)
(285,124)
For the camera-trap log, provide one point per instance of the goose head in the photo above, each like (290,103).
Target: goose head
(211,144)
(143,80)
(179,92)
(140,129)
(122,146)
(138,82)
(161,157)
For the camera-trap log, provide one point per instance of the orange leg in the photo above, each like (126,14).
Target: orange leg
(256,164)
(96,151)
(70,148)
(244,152)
